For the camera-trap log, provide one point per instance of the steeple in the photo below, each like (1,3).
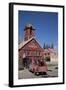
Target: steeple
(29,32)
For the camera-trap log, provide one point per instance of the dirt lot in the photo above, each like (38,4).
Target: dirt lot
(52,72)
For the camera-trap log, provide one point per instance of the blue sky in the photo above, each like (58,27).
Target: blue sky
(45,23)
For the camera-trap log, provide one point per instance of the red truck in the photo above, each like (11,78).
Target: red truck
(38,67)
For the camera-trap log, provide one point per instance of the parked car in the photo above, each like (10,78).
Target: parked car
(38,67)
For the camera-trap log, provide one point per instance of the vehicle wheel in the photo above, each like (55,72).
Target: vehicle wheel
(36,73)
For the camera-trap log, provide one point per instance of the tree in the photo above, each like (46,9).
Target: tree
(52,46)
(44,46)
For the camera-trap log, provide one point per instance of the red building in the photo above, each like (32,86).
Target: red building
(29,49)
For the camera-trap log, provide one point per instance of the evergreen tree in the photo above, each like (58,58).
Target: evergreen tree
(44,46)
(52,46)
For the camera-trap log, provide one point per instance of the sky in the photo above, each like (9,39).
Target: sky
(45,23)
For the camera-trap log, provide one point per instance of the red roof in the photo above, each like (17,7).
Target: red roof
(49,50)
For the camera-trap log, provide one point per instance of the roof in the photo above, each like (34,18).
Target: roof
(29,26)
(49,50)
(25,42)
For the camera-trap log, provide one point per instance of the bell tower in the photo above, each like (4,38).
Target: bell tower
(29,32)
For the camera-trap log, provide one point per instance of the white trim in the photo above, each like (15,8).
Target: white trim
(24,42)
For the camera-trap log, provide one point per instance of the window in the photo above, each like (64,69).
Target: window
(34,53)
(38,53)
(47,59)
